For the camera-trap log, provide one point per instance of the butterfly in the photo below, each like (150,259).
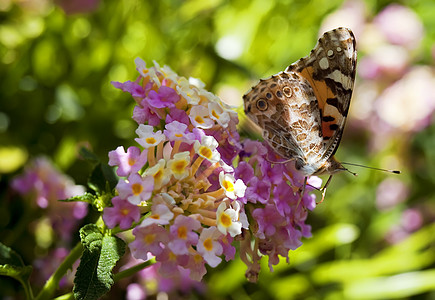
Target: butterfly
(302,110)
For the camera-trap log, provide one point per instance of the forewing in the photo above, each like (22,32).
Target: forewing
(285,107)
(330,70)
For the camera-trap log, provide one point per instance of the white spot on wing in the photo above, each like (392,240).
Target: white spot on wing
(323,63)
(339,77)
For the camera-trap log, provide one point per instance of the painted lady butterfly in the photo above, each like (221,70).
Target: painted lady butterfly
(303,110)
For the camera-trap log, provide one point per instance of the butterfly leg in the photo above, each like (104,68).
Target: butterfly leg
(323,189)
(303,191)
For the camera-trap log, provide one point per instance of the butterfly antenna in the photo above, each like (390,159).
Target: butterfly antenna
(373,168)
(347,170)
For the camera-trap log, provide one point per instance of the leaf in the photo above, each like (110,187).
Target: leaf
(12,265)
(102,179)
(94,276)
(87,197)
(88,155)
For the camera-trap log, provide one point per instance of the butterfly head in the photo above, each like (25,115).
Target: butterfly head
(331,166)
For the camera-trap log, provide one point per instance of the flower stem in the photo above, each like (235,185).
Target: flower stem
(53,282)
(133,270)
(196,165)
(151,157)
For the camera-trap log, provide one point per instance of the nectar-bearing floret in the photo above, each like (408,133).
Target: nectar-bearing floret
(202,183)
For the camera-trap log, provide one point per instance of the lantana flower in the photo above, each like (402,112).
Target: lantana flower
(227,220)
(136,189)
(147,137)
(207,149)
(233,188)
(199,183)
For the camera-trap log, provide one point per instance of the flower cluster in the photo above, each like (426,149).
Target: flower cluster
(190,188)
(178,187)
(273,198)
(44,185)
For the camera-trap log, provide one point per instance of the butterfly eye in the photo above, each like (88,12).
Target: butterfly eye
(262,104)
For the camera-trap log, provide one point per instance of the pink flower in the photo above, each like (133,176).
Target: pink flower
(400,25)
(135,89)
(391,192)
(209,246)
(137,189)
(165,97)
(171,262)
(228,250)
(196,266)
(183,235)
(176,131)
(127,162)
(123,213)
(146,114)
(160,214)
(148,239)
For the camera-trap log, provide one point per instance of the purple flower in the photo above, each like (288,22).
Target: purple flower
(137,189)
(267,219)
(148,239)
(182,234)
(170,262)
(229,251)
(128,162)
(209,246)
(45,184)
(134,88)
(146,114)
(165,97)
(244,171)
(258,190)
(400,25)
(123,213)
(136,291)
(196,266)
(176,131)
(179,115)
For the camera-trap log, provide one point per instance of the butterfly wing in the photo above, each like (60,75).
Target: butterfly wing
(330,69)
(285,107)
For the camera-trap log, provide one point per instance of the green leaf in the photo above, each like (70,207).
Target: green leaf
(13,266)
(87,197)
(94,276)
(89,156)
(102,179)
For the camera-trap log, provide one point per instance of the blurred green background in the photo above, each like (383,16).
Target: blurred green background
(373,237)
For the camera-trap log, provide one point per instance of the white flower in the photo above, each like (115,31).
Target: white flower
(160,214)
(147,137)
(196,82)
(228,220)
(187,91)
(160,173)
(207,148)
(233,188)
(145,72)
(209,247)
(200,117)
(218,114)
(141,66)
(179,165)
